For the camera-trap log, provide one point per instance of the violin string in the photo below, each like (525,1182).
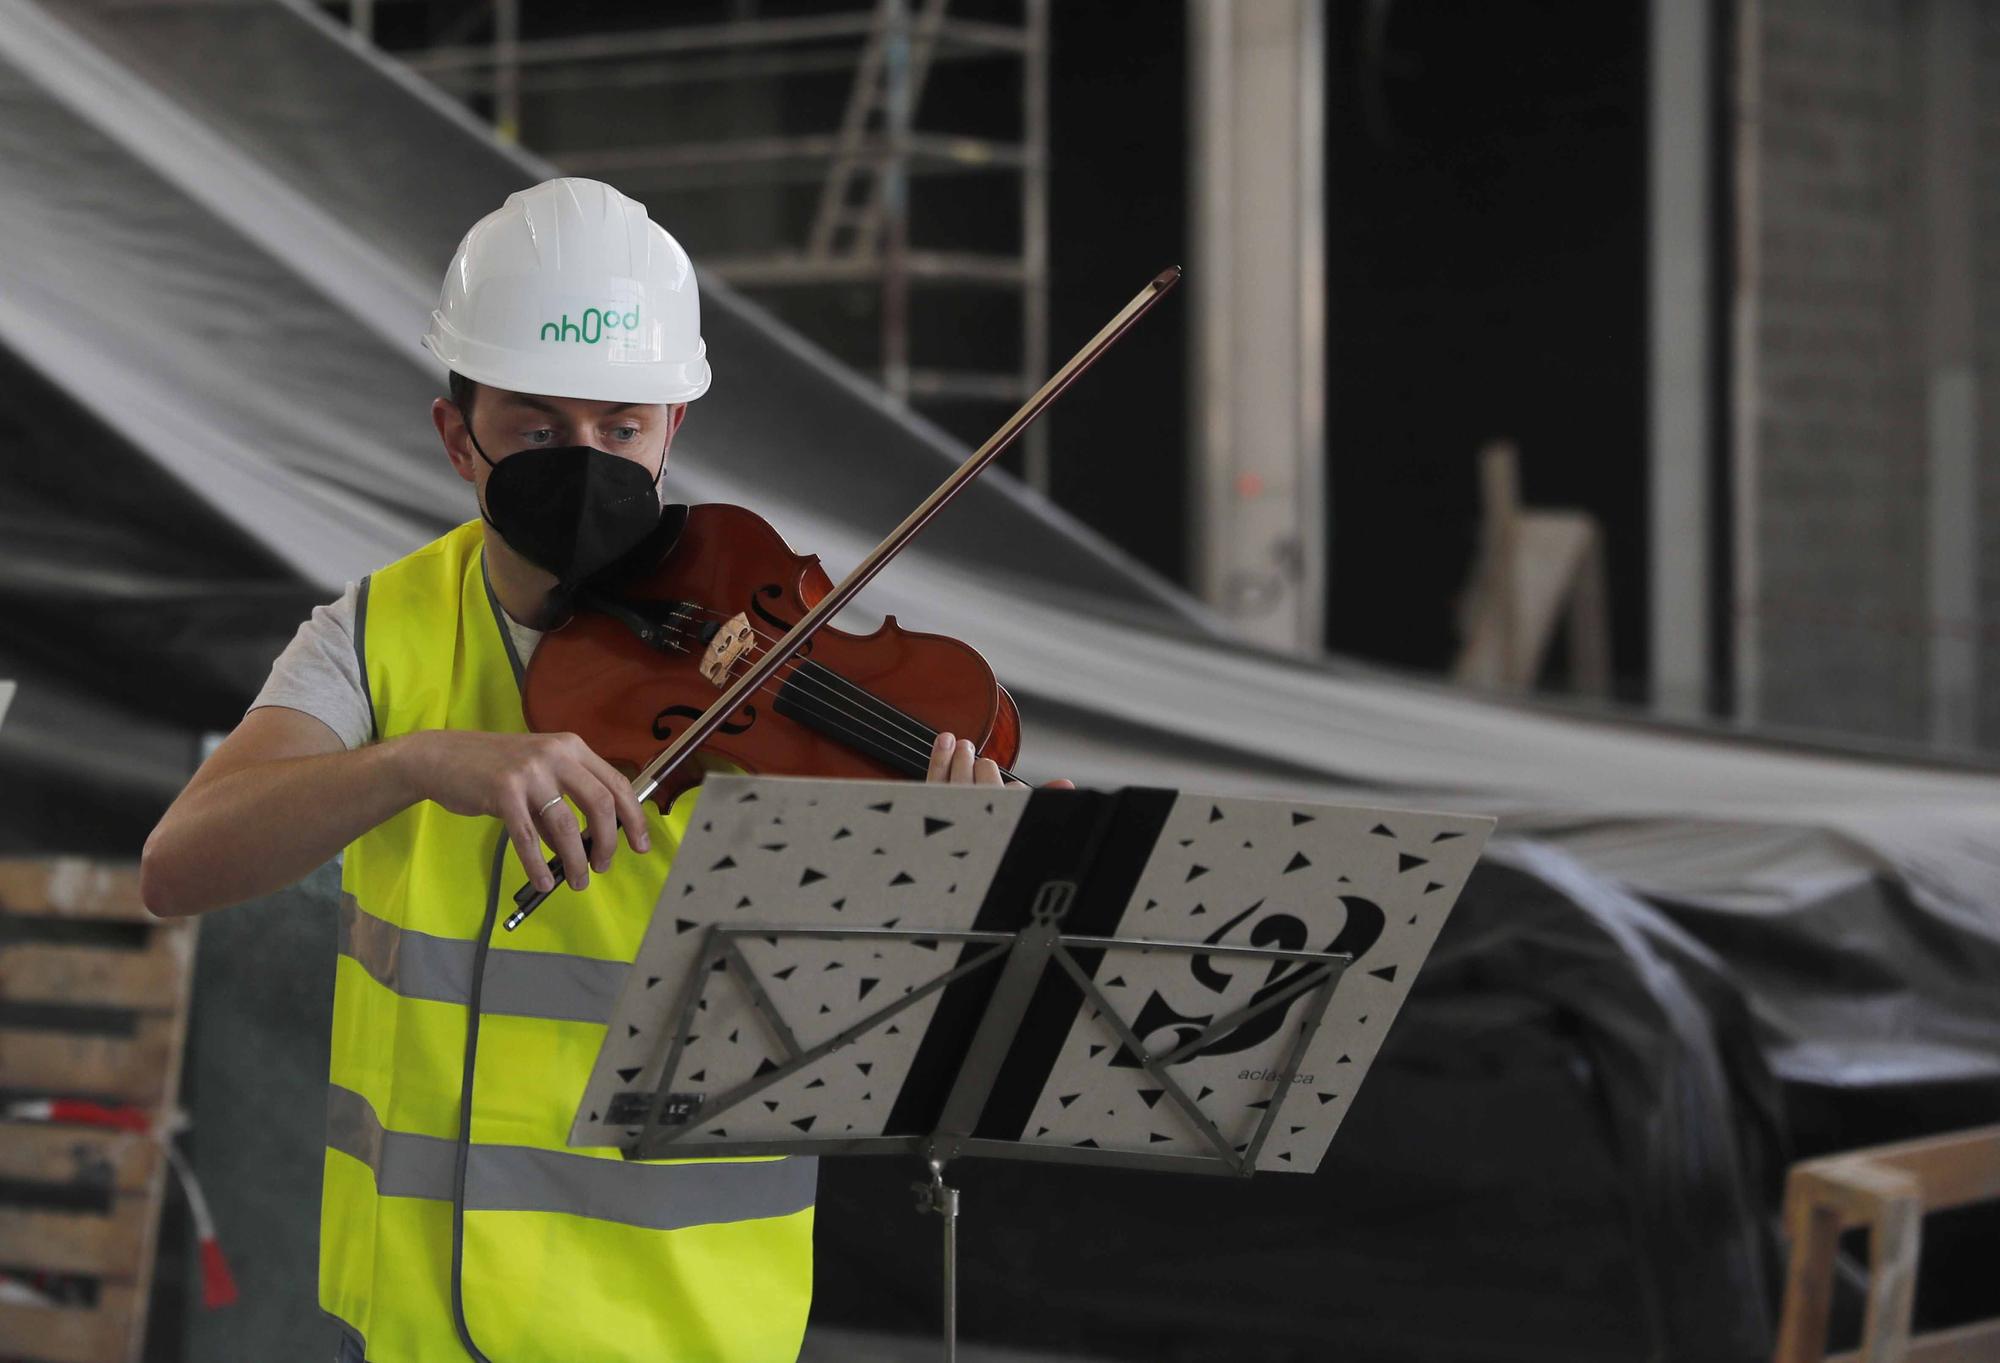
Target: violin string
(911,738)
(837,688)
(907,735)
(822,679)
(918,753)
(914,729)
(899,740)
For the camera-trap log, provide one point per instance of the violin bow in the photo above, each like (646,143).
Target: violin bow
(528,898)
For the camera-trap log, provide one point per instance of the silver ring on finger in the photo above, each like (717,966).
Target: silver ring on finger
(553,800)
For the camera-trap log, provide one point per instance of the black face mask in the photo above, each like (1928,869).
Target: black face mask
(571,510)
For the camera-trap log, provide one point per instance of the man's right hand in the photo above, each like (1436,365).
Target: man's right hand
(520,779)
(282,795)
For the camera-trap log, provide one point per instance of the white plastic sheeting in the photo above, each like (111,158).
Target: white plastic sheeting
(222,225)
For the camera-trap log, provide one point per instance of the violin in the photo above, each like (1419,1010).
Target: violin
(725,649)
(630,674)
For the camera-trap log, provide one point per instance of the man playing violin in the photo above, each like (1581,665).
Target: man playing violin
(456,1222)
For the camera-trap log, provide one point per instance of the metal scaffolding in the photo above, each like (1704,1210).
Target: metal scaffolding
(861,229)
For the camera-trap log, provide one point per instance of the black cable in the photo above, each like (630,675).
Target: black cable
(462,1150)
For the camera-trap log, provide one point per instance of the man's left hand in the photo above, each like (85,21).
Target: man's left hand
(954,761)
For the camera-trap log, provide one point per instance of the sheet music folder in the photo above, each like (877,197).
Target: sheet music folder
(1142,977)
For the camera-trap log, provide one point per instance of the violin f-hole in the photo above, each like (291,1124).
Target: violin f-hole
(777,622)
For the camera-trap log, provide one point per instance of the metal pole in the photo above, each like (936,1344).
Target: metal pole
(950,1214)
(1309,321)
(507,69)
(1035,231)
(896,205)
(935,1195)
(1746,403)
(1210,352)
(834,205)
(1257,514)
(1679,377)
(960,40)
(1946,53)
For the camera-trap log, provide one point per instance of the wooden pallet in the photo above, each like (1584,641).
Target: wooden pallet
(63,949)
(1886,1188)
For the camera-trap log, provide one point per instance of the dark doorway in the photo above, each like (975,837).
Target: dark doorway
(1486,186)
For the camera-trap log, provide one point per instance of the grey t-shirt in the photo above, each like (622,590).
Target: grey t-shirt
(319,675)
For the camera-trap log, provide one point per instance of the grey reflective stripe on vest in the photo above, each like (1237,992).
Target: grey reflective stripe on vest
(405,1165)
(519,1178)
(534,984)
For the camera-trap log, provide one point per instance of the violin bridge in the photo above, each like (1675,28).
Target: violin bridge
(732,640)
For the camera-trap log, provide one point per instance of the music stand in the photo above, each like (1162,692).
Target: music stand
(1142,978)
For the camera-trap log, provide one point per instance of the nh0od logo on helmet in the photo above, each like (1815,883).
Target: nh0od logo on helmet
(590,329)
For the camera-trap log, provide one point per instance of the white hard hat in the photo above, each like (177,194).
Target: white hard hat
(570,290)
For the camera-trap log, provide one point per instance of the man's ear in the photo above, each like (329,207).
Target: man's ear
(451,429)
(677,414)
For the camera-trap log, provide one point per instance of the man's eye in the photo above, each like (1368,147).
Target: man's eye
(627,432)
(540,437)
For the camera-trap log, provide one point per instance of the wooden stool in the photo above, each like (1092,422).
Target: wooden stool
(1887,1189)
(110,1183)
(1535,571)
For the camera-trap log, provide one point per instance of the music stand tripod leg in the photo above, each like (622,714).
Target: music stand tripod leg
(938,1196)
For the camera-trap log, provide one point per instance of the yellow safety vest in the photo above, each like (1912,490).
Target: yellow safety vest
(568,1255)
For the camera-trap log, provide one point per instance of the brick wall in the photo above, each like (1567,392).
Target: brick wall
(1986,252)
(1839,521)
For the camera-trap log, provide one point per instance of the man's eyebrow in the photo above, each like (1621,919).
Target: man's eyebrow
(557,411)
